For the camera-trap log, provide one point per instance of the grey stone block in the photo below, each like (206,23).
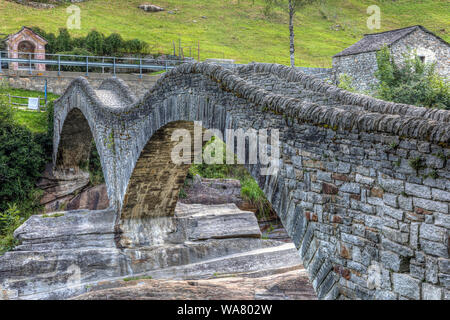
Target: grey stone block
(406,286)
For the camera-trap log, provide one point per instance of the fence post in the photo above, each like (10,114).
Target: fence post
(10,104)
(59,65)
(29,59)
(0,62)
(140,68)
(103,68)
(114,66)
(87,66)
(165,63)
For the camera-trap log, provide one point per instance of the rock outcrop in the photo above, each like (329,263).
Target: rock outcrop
(64,254)
(288,285)
(71,191)
(215,191)
(150,7)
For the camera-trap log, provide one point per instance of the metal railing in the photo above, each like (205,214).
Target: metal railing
(86,62)
(17,102)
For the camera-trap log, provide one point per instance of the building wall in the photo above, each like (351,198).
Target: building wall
(427,45)
(361,67)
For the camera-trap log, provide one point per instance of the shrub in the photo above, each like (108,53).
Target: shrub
(21,159)
(63,41)
(250,190)
(10,220)
(413,82)
(113,44)
(346,82)
(94,42)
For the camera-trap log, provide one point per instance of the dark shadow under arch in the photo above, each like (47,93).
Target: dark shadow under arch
(75,143)
(156,181)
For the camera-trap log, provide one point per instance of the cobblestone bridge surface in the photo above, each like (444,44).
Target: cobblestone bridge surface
(363,189)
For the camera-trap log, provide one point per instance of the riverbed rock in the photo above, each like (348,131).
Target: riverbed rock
(289,285)
(215,191)
(63,254)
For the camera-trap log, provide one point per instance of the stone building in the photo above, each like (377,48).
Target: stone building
(359,60)
(24,44)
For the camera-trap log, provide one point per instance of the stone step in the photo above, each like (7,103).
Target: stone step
(281,256)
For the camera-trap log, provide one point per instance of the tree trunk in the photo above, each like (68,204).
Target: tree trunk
(291,32)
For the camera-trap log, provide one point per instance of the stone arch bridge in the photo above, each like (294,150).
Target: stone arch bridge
(363,187)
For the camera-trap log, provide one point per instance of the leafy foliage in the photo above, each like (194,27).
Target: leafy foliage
(412,82)
(250,191)
(95,43)
(10,220)
(21,159)
(346,82)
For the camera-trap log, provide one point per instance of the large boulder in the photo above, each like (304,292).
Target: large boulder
(215,191)
(150,7)
(71,191)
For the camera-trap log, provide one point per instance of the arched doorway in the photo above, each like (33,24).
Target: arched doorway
(26,50)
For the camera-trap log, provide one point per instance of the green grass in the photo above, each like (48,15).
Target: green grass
(35,121)
(237,29)
(137,278)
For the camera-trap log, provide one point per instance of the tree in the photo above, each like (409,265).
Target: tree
(63,41)
(113,43)
(293,6)
(94,42)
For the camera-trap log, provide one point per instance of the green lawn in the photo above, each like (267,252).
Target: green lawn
(35,121)
(237,29)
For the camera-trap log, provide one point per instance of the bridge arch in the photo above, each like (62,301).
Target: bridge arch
(351,191)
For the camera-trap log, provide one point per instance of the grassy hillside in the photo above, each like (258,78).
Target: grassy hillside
(237,29)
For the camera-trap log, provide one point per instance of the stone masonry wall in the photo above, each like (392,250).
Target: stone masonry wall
(22,79)
(362,67)
(425,45)
(364,185)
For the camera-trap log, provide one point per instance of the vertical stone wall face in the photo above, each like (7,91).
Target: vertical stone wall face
(362,67)
(363,188)
(426,45)
(22,79)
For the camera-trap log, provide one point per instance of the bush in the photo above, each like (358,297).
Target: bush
(94,42)
(10,220)
(413,82)
(346,82)
(22,159)
(250,190)
(113,44)
(63,41)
